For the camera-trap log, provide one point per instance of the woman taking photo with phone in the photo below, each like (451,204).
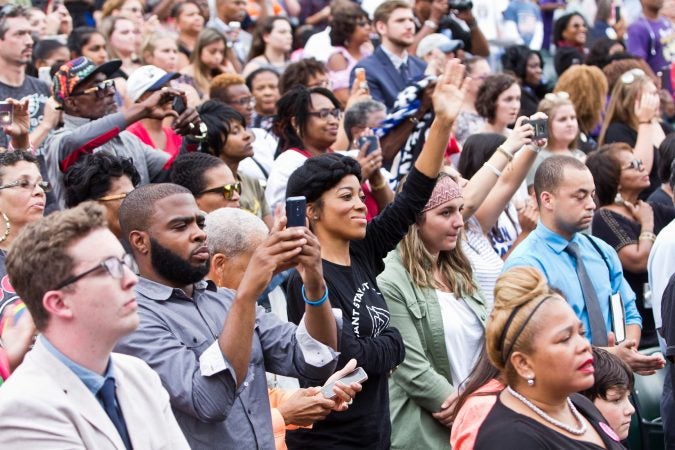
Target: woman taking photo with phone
(352,251)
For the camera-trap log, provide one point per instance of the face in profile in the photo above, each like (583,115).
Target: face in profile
(617,409)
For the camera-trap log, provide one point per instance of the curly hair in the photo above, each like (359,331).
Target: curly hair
(320,174)
(296,104)
(599,53)
(614,69)
(261,29)
(299,73)
(217,116)
(344,21)
(489,92)
(222,82)
(9,159)
(606,171)
(92,176)
(587,87)
(188,170)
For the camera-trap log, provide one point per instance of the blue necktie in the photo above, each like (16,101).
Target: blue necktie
(405,73)
(107,395)
(595,318)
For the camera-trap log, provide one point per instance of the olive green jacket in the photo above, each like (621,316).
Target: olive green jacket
(419,386)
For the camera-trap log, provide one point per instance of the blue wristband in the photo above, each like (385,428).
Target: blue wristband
(319,302)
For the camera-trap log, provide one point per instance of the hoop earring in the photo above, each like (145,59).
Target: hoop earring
(8,227)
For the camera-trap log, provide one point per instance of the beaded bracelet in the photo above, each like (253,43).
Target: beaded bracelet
(318,302)
(505,152)
(647,235)
(493,169)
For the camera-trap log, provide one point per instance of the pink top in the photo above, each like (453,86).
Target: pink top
(472,414)
(173,140)
(340,78)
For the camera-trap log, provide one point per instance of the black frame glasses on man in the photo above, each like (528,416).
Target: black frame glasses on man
(113,265)
(99,89)
(24,183)
(227,190)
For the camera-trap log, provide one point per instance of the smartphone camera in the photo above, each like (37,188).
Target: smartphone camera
(540,128)
(6,114)
(178,105)
(373,144)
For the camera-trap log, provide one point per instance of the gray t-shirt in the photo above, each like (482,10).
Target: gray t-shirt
(36,91)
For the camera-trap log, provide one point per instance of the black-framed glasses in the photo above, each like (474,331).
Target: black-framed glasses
(324,113)
(27,184)
(99,89)
(635,164)
(227,190)
(250,100)
(113,265)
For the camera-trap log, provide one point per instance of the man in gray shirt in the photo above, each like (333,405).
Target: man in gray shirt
(211,346)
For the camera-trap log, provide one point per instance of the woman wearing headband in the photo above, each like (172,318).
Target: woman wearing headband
(534,338)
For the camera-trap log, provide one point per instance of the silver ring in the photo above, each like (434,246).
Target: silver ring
(191,125)
(351,400)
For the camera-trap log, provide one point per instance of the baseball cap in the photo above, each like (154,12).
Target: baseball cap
(439,41)
(147,79)
(77,71)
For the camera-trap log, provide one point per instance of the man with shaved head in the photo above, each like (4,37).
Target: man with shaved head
(211,347)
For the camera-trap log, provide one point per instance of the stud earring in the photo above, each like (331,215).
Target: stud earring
(530,381)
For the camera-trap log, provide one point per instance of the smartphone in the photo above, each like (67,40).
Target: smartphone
(296,211)
(617,13)
(373,143)
(6,114)
(357,375)
(360,74)
(540,128)
(178,104)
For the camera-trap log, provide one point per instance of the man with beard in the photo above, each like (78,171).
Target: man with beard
(585,269)
(390,68)
(91,122)
(211,347)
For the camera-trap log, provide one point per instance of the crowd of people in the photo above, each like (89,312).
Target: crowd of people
(334,224)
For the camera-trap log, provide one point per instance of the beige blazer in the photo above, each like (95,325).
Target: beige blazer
(44,405)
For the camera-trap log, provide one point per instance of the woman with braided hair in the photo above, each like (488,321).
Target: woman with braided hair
(534,338)
(352,251)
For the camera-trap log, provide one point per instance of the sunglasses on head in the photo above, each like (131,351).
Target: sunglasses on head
(553,96)
(632,75)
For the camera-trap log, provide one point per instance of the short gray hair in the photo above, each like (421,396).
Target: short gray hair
(232,231)
(357,115)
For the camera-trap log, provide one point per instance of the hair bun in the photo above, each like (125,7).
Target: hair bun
(518,286)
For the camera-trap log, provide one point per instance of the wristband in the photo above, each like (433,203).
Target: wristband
(493,169)
(647,235)
(318,302)
(505,152)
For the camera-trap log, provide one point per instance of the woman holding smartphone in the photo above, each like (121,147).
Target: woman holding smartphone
(352,251)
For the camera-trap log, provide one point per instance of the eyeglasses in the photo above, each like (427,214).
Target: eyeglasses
(113,197)
(635,164)
(632,75)
(321,83)
(227,190)
(100,89)
(324,113)
(26,184)
(553,96)
(244,101)
(113,265)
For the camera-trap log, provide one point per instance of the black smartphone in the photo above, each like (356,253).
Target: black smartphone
(296,211)
(6,114)
(357,375)
(540,128)
(373,143)
(178,104)
(617,13)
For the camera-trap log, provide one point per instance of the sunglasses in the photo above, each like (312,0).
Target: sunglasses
(112,197)
(632,75)
(227,190)
(635,164)
(324,113)
(26,184)
(99,89)
(113,265)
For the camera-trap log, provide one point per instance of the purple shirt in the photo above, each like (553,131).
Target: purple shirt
(653,41)
(547,20)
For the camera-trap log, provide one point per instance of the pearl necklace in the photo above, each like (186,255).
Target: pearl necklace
(576,431)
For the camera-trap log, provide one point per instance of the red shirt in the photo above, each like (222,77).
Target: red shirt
(173,140)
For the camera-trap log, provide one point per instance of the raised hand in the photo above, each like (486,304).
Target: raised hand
(449,92)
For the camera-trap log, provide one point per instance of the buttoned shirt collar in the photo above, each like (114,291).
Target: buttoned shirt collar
(557,242)
(161,292)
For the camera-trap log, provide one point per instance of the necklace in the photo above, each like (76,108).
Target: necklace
(576,431)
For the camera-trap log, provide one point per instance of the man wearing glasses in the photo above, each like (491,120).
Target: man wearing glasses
(71,391)
(92,123)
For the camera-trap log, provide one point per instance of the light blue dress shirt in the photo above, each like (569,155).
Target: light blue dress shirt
(544,250)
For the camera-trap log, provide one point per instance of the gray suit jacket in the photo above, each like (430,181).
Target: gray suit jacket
(44,405)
